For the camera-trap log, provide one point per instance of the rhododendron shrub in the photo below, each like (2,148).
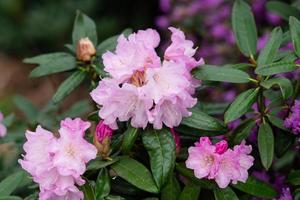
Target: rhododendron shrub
(157,128)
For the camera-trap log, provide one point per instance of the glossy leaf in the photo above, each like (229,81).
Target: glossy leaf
(190,192)
(161,149)
(84,27)
(135,173)
(99,164)
(244,28)
(222,74)
(283,9)
(240,105)
(171,190)
(284,84)
(51,63)
(266,145)
(295,33)
(88,191)
(269,52)
(203,121)
(242,132)
(10,198)
(10,183)
(130,135)
(279,123)
(68,86)
(294,178)
(276,68)
(102,187)
(225,194)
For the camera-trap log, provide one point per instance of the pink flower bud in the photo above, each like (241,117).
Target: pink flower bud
(176,140)
(85,49)
(102,138)
(221,147)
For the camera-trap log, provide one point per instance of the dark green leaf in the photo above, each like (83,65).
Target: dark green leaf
(161,149)
(78,109)
(84,27)
(10,198)
(283,9)
(269,52)
(112,197)
(68,86)
(242,132)
(223,74)
(171,190)
(9,119)
(88,191)
(266,145)
(203,121)
(244,28)
(225,194)
(279,123)
(212,108)
(190,192)
(29,110)
(9,184)
(130,135)
(239,66)
(285,85)
(51,63)
(276,68)
(99,164)
(294,177)
(283,141)
(240,105)
(102,187)
(135,173)
(295,33)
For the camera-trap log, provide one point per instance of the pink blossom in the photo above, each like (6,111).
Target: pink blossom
(103,131)
(57,164)
(220,163)
(3,129)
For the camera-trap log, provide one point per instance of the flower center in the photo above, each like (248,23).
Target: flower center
(138,79)
(209,160)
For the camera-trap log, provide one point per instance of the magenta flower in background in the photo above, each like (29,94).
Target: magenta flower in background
(220,163)
(3,129)
(57,164)
(293,121)
(144,89)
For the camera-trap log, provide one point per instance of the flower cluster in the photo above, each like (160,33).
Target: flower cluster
(57,164)
(220,163)
(293,121)
(143,88)
(3,129)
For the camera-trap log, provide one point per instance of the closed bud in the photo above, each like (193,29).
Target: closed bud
(221,147)
(102,139)
(85,49)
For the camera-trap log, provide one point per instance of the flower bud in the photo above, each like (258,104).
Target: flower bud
(221,147)
(176,140)
(102,138)
(85,49)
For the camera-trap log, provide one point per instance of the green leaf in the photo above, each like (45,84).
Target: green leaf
(285,85)
(269,52)
(266,145)
(244,28)
(242,132)
(190,192)
(84,27)
(171,190)
(240,105)
(78,109)
(29,110)
(225,194)
(276,68)
(51,63)
(222,74)
(99,164)
(9,119)
(130,135)
(239,66)
(256,188)
(68,86)
(279,123)
(283,141)
(9,184)
(212,108)
(295,34)
(282,9)
(102,187)
(135,173)
(161,149)
(294,178)
(203,121)
(113,197)
(189,174)
(88,191)
(10,198)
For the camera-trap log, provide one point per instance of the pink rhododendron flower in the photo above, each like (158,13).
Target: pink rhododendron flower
(3,129)
(57,164)
(141,87)
(220,163)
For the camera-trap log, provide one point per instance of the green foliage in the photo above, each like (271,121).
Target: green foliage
(284,84)
(225,194)
(9,184)
(102,187)
(266,145)
(295,33)
(190,192)
(171,190)
(130,135)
